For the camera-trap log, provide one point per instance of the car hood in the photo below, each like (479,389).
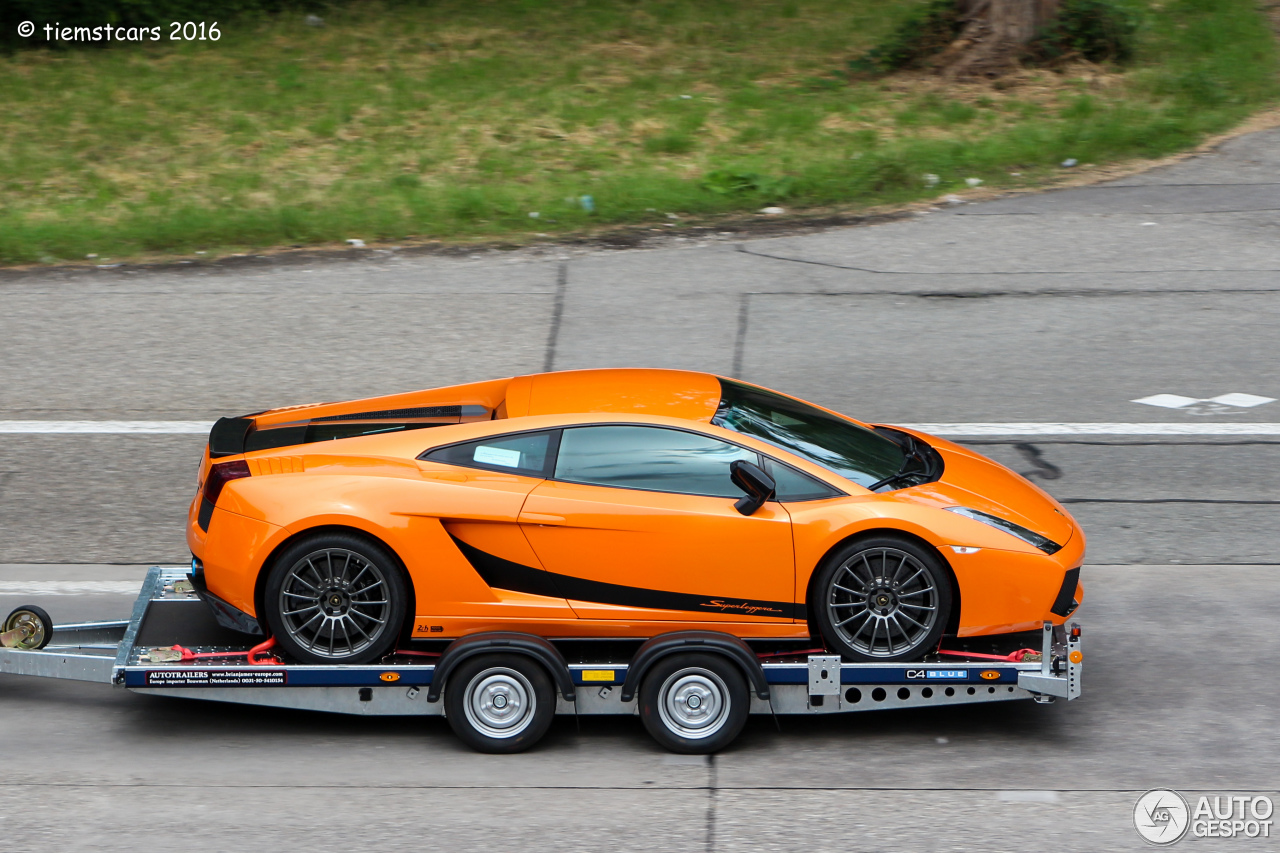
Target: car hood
(972,480)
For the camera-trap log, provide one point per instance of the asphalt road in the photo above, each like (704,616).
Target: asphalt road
(1053,308)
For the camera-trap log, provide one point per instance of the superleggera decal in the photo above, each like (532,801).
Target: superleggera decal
(504,574)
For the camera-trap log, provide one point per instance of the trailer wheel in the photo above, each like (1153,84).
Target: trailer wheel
(335,598)
(694,703)
(27,628)
(499,703)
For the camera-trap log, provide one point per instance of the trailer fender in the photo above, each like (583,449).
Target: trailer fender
(502,642)
(662,645)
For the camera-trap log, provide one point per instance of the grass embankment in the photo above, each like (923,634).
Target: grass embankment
(457,120)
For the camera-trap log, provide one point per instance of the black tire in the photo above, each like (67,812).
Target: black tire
(352,586)
(499,703)
(39,623)
(694,703)
(882,599)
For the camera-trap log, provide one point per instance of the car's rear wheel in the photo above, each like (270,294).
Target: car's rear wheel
(694,703)
(335,598)
(499,703)
(882,599)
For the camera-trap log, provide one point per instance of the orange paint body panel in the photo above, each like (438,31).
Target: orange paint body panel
(485,548)
(686,544)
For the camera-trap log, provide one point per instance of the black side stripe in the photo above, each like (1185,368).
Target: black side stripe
(504,574)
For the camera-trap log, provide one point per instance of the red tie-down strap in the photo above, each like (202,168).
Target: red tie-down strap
(251,655)
(802,652)
(1012,657)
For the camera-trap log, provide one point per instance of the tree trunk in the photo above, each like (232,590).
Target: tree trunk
(994,36)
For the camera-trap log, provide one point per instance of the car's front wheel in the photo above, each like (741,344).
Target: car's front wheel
(335,598)
(882,599)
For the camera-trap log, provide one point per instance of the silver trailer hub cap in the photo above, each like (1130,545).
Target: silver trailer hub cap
(499,703)
(692,703)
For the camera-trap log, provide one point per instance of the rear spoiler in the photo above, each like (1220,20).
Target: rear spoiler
(231,436)
(228,435)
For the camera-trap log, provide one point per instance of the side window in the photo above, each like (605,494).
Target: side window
(649,458)
(527,453)
(795,485)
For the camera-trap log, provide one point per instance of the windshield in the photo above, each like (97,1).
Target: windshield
(852,451)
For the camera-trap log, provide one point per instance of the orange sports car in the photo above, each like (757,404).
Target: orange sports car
(616,504)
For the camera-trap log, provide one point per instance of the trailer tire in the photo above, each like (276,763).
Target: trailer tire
(499,703)
(352,583)
(694,703)
(37,621)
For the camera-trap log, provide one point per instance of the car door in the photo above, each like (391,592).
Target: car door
(639,523)
(478,489)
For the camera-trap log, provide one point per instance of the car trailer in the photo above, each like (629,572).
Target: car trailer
(692,689)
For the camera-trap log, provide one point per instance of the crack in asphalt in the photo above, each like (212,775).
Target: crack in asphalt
(740,339)
(557,315)
(989,294)
(712,779)
(957,273)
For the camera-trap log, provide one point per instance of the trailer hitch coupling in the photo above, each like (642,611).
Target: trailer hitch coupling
(14,639)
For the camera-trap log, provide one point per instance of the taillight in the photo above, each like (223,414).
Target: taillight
(220,474)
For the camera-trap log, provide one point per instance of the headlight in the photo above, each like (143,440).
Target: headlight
(1044,543)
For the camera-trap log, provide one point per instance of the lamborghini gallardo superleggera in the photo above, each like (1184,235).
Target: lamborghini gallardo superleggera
(616,504)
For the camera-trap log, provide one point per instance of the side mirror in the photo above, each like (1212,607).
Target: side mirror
(758,485)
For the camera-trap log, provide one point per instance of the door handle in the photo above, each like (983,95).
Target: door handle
(541,518)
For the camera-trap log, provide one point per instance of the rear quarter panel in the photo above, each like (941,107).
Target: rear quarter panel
(391,500)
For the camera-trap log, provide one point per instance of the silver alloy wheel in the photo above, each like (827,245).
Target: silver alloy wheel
(883,602)
(499,703)
(334,604)
(693,703)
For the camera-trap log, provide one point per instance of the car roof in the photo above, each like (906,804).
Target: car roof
(682,394)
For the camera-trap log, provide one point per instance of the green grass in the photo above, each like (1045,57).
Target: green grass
(457,120)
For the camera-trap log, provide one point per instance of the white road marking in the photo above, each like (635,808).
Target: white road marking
(1220,404)
(69,587)
(1166,401)
(1245,401)
(109,427)
(1012,428)
(1096,429)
